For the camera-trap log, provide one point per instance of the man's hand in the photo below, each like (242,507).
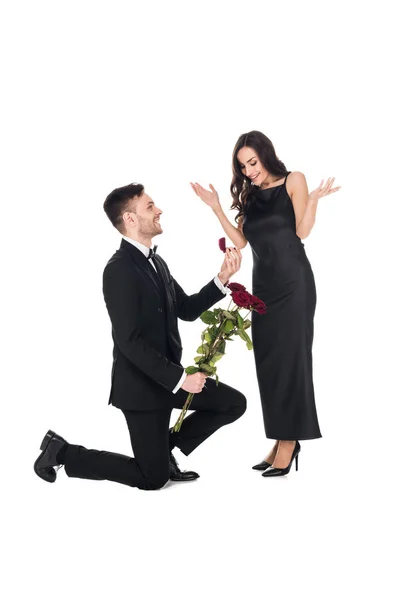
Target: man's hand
(231,264)
(194,383)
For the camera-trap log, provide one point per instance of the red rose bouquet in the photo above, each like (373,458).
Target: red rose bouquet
(222,325)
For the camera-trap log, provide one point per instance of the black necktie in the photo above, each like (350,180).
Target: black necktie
(152,252)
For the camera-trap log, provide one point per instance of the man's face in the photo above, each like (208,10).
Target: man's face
(147,217)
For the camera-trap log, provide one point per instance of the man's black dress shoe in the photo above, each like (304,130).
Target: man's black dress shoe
(47,460)
(262,466)
(175,474)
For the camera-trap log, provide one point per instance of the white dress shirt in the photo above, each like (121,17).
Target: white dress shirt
(146,252)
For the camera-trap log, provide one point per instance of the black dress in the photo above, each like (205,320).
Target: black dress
(282,338)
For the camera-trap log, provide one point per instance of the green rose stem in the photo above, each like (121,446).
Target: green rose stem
(203,364)
(179,422)
(209,357)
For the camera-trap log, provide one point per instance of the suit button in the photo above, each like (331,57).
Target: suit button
(160,310)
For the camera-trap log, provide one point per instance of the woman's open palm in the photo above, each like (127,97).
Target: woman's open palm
(324,189)
(211,198)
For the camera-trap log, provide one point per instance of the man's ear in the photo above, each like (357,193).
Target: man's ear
(128,219)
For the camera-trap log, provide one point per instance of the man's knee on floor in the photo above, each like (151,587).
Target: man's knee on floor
(155,480)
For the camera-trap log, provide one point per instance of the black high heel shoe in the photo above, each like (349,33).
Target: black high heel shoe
(273,472)
(262,466)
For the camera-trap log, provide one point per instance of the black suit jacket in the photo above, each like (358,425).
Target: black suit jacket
(144,309)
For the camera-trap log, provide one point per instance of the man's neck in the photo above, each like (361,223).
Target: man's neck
(148,242)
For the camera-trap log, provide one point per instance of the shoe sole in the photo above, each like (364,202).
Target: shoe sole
(183,480)
(284,473)
(43,446)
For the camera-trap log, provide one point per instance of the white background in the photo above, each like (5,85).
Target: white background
(100,94)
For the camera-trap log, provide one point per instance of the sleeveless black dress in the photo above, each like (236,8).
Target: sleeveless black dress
(283,337)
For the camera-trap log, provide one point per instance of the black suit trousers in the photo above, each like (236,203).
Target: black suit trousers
(151,439)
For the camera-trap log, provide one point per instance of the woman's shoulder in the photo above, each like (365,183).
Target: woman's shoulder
(295,180)
(296,176)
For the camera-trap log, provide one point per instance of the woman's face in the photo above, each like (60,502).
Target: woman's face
(251,166)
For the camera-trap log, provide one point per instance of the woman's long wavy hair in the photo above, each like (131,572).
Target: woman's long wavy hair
(242,186)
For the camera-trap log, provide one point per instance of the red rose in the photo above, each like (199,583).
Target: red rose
(242,299)
(222,244)
(236,287)
(258,305)
(261,308)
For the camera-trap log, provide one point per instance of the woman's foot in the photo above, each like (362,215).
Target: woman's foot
(267,462)
(271,456)
(283,455)
(283,464)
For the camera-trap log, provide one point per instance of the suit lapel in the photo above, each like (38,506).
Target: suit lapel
(165,277)
(143,263)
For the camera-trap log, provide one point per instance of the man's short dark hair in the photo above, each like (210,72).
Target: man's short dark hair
(119,201)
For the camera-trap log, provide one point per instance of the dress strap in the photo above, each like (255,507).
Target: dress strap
(287,176)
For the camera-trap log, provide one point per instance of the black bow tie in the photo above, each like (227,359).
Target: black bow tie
(152,252)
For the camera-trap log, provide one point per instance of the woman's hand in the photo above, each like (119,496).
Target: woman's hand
(323,190)
(210,198)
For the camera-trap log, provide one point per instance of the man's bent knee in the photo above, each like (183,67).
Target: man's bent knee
(240,405)
(154,481)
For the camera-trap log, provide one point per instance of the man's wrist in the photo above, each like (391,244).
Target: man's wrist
(223,279)
(180,382)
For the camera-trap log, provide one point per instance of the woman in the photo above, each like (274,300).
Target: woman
(275,212)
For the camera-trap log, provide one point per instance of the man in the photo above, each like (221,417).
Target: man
(144,303)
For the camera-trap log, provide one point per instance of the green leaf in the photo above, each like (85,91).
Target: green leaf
(217,356)
(198,358)
(207,336)
(228,326)
(205,368)
(240,320)
(229,315)
(242,334)
(247,324)
(214,330)
(191,370)
(208,317)
(221,347)
(249,346)
(203,349)
(216,379)
(246,338)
